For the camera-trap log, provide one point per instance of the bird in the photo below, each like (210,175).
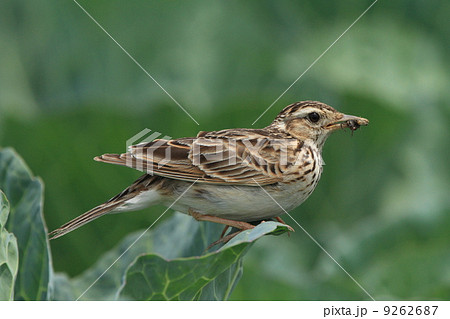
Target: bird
(234,177)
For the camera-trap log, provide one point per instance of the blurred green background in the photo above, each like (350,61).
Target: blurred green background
(69,93)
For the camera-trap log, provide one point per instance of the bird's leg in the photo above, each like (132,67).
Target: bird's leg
(224,240)
(229,222)
(224,231)
(278,219)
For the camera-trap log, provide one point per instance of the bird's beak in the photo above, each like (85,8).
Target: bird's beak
(350,121)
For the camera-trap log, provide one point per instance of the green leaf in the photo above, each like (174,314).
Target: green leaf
(25,194)
(178,245)
(208,277)
(180,236)
(9,254)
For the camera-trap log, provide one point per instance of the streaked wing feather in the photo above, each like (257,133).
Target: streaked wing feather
(212,157)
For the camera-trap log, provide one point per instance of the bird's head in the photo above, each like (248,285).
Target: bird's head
(315,121)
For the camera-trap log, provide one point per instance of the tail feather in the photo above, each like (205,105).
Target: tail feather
(142,184)
(111,159)
(85,218)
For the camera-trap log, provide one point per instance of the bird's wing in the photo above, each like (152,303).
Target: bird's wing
(214,157)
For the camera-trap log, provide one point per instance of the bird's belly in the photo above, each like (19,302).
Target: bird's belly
(243,203)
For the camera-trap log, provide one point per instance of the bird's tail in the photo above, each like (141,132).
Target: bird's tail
(85,218)
(115,203)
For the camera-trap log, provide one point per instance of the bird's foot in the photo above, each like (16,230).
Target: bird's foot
(278,219)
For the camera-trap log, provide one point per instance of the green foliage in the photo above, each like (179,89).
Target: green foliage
(9,254)
(208,277)
(180,268)
(26,223)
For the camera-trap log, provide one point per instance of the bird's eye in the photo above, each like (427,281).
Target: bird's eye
(314,117)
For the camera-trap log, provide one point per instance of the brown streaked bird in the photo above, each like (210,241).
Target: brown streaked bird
(232,177)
